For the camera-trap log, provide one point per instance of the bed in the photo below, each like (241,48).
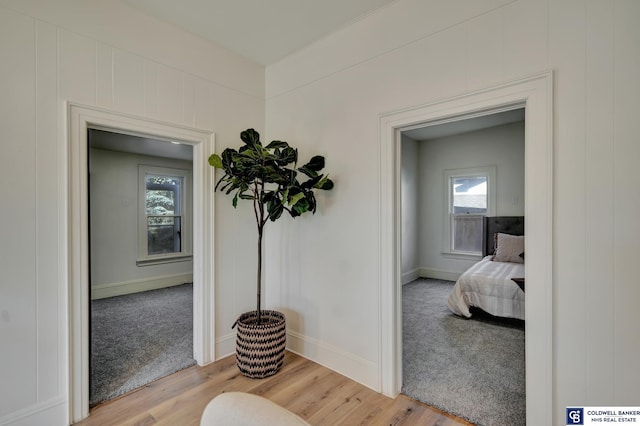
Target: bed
(489,284)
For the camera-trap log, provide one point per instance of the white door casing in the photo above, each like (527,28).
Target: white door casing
(535,94)
(81,118)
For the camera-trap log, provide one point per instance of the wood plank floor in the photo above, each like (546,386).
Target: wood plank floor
(315,393)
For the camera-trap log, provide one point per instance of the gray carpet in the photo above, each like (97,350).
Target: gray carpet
(473,368)
(139,338)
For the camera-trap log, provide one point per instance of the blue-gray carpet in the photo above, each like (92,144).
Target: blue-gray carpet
(473,368)
(139,338)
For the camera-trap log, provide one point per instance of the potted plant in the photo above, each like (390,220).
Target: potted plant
(269,177)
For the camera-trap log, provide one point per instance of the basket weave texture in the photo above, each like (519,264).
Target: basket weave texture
(260,347)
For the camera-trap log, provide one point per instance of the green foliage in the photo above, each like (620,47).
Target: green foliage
(269,176)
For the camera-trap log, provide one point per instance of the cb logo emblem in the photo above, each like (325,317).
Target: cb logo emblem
(574,416)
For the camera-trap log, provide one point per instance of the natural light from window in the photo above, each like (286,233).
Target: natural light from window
(469,201)
(164,219)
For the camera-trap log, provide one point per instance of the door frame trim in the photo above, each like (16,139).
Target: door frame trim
(80,118)
(535,93)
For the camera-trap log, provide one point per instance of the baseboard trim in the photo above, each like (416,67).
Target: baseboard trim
(359,369)
(439,274)
(225,346)
(53,411)
(102,291)
(356,368)
(409,276)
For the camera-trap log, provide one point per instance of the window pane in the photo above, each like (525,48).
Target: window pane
(164,210)
(162,195)
(467,233)
(469,195)
(162,204)
(163,234)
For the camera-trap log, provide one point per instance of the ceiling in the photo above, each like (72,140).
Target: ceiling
(262,30)
(114,141)
(464,125)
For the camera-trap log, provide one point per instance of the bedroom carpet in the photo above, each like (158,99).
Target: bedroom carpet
(473,368)
(139,338)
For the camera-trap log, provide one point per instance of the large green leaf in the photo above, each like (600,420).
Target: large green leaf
(277,144)
(316,163)
(250,137)
(293,199)
(268,196)
(287,156)
(275,209)
(309,172)
(215,160)
(301,206)
(324,183)
(311,183)
(311,199)
(248,153)
(227,158)
(276,178)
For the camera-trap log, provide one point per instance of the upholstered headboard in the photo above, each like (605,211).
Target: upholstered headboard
(513,225)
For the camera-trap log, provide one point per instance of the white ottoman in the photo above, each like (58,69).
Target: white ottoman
(245,409)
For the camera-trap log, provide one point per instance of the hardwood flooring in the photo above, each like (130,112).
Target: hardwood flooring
(315,393)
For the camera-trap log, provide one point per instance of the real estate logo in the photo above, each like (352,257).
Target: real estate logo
(589,416)
(575,416)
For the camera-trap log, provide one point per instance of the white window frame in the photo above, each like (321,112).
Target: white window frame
(185,254)
(488,172)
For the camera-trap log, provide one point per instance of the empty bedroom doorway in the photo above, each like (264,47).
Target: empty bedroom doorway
(81,118)
(452,175)
(141,267)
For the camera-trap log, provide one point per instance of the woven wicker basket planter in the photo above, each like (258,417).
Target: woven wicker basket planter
(260,347)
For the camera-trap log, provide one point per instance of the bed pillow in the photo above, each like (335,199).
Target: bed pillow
(509,248)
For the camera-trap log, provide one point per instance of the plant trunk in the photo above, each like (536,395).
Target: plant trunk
(258,209)
(259,278)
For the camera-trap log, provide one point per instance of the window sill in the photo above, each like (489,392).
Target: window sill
(161,260)
(462,256)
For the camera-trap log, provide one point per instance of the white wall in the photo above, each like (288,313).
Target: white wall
(326,99)
(114,227)
(409,198)
(502,147)
(108,55)
(329,97)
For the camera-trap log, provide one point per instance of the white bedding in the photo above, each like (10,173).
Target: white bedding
(488,285)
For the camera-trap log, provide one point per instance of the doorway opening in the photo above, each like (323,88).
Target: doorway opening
(80,119)
(141,268)
(534,94)
(453,176)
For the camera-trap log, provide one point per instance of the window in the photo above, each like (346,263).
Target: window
(164,233)
(470,198)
